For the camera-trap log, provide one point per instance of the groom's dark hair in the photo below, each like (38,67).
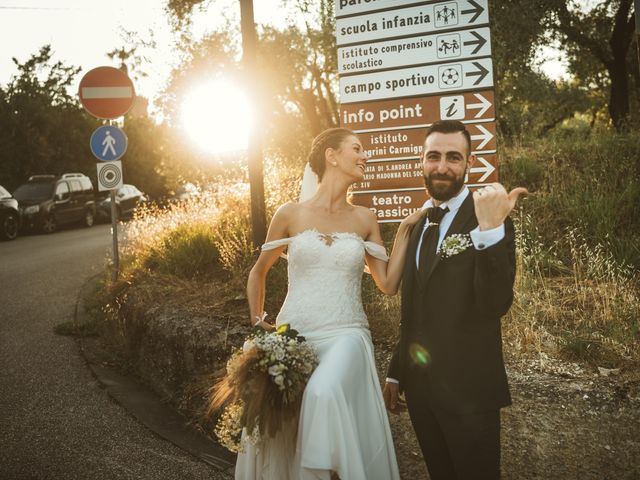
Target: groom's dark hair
(449,126)
(330,138)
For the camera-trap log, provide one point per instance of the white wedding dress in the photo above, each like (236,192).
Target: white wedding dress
(343,425)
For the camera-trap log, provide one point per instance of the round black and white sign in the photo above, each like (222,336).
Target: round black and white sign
(109,175)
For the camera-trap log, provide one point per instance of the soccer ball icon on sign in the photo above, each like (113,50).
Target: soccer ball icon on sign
(450,76)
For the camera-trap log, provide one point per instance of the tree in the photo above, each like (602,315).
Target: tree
(297,75)
(603,33)
(34,107)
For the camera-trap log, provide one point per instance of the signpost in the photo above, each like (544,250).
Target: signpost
(403,65)
(636,9)
(108,93)
(424,49)
(109,176)
(108,143)
(409,82)
(413,20)
(418,112)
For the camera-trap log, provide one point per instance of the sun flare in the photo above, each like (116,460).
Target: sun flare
(217,116)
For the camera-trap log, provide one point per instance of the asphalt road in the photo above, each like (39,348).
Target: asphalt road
(55,420)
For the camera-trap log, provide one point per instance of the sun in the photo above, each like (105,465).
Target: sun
(217,116)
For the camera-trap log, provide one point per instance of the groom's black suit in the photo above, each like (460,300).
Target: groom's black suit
(449,356)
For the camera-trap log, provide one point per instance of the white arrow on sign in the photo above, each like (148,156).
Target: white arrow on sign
(485,136)
(487,168)
(483,106)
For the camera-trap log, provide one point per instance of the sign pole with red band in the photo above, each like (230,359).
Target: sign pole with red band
(107,93)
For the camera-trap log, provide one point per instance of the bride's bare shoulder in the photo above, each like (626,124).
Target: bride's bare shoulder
(280,225)
(364,214)
(285,212)
(366,221)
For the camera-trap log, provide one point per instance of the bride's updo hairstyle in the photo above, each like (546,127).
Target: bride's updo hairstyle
(330,138)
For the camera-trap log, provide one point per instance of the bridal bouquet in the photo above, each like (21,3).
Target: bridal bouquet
(263,385)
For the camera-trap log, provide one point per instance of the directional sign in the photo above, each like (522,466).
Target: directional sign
(417,112)
(403,65)
(109,175)
(408,82)
(108,143)
(394,205)
(425,49)
(106,92)
(387,144)
(408,174)
(417,20)
(389,206)
(349,7)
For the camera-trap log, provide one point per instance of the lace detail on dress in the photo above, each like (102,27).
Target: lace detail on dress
(325,276)
(372,248)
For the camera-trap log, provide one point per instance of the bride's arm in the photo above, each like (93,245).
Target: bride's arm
(387,275)
(257,281)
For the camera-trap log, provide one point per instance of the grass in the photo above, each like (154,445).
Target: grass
(577,292)
(589,183)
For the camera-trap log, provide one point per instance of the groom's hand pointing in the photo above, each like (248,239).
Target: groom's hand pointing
(493,204)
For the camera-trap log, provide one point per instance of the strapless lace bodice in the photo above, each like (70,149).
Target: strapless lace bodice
(325,276)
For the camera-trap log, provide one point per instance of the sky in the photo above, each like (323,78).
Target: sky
(81,32)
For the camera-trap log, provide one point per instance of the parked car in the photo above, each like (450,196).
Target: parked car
(128,198)
(9,215)
(186,191)
(47,201)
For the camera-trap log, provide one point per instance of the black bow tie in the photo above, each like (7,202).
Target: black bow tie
(435,214)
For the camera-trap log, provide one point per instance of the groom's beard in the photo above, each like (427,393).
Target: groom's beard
(443,191)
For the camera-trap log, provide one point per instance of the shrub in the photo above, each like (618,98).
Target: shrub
(188,251)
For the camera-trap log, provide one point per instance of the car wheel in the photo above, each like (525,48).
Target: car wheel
(49,224)
(88,218)
(9,226)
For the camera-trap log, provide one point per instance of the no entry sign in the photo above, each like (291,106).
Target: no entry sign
(106,92)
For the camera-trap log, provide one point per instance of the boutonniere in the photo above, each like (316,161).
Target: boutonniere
(454,244)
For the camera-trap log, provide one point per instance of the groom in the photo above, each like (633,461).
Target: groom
(457,283)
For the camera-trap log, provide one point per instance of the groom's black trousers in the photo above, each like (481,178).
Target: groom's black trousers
(455,447)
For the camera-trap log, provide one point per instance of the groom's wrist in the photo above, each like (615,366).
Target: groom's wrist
(391,380)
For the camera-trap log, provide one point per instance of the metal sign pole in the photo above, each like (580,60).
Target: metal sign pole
(108,93)
(114,232)
(636,7)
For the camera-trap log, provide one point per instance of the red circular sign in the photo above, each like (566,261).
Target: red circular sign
(106,92)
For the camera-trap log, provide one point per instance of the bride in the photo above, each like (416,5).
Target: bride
(343,430)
